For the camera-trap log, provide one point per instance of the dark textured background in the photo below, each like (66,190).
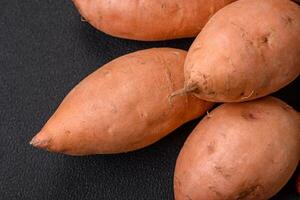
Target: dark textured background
(44,51)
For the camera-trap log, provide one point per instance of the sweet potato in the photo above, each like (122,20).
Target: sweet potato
(123,106)
(149,20)
(247,50)
(243,151)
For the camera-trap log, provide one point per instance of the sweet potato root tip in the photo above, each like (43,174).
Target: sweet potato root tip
(83,19)
(184,91)
(39,142)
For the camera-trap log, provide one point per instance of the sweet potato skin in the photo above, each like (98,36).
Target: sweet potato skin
(123,106)
(243,151)
(247,50)
(149,20)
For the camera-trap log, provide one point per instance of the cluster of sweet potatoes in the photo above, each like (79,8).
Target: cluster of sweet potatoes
(246,148)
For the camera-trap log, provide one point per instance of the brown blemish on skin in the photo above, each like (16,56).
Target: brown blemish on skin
(253,191)
(215,191)
(221,171)
(188,197)
(249,116)
(204,85)
(67,132)
(173,8)
(286,107)
(169,78)
(144,115)
(211,148)
(170,84)
(113,108)
(205,81)
(265,39)
(287,19)
(244,33)
(168,74)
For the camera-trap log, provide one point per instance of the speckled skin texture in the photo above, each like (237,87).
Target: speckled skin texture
(249,49)
(123,106)
(149,20)
(240,151)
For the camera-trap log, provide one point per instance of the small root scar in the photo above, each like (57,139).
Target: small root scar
(251,192)
(170,98)
(249,116)
(215,191)
(67,132)
(287,19)
(287,108)
(83,19)
(248,96)
(176,53)
(208,115)
(223,172)
(211,148)
(265,39)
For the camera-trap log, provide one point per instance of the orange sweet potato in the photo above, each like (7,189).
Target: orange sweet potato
(123,106)
(243,151)
(248,49)
(149,20)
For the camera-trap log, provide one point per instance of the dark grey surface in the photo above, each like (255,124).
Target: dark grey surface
(44,51)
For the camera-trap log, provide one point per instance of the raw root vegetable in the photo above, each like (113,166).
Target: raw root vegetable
(240,151)
(149,20)
(247,50)
(123,106)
